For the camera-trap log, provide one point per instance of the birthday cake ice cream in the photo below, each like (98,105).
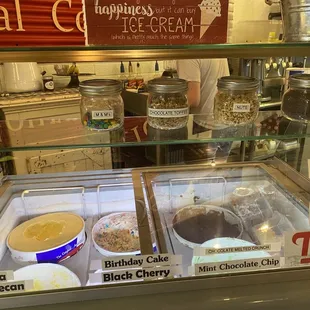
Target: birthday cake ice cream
(210,9)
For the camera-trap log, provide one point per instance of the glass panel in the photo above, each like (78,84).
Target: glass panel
(224,206)
(70,133)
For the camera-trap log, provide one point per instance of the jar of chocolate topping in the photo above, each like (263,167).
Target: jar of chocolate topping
(167,103)
(296,100)
(102,107)
(236,102)
(48,83)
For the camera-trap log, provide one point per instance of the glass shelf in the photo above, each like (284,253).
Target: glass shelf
(151,52)
(40,134)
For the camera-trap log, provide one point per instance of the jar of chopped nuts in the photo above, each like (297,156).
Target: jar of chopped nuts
(102,107)
(167,103)
(236,102)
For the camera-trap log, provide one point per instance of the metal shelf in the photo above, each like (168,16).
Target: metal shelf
(117,53)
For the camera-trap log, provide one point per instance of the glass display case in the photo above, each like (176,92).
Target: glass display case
(207,232)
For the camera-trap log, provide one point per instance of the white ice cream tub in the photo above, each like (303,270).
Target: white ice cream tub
(108,221)
(47,277)
(55,254)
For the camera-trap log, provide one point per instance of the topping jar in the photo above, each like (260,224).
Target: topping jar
(102,107)
(236,102)
(167,103)
(295,102)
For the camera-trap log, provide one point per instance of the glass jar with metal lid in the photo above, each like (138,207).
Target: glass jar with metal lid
(236,102)
(296,100)
(102,107)
(167,103)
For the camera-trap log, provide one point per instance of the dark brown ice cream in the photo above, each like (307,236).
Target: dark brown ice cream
(197,225)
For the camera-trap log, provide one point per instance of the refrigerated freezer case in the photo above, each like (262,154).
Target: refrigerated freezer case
(170,190)
(93,194)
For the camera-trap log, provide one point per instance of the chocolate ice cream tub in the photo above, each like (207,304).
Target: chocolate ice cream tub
(196,224)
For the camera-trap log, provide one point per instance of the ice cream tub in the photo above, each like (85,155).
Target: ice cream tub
(49,238)
(117,234)
(196,224)
(47,276)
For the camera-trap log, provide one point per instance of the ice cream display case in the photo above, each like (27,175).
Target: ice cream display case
(194,206)
(99,237)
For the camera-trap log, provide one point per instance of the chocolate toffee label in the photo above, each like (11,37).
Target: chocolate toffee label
(273,247)
(167,113)
(147,22)
(15,287)
(136,274)
(241,107)
(6,275)
(236,266)
(134,261)
(104,114)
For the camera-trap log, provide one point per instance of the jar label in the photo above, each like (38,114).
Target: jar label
(241,107)
(167,113)
(104,114)
(49,85)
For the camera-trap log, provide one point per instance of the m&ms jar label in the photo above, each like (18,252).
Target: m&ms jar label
(101,120)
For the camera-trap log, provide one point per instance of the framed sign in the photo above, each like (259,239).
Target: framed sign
(156,22)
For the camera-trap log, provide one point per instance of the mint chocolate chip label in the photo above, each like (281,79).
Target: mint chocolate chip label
(236,266)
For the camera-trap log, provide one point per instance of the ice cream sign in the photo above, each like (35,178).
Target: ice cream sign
(145,22)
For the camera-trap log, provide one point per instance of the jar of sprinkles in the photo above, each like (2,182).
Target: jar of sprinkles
(102,107)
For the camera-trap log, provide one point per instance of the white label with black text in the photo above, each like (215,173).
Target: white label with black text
(236,266)
(6,275)
(167,113)
(241,107)
(272,247)
(134,261)
(136,274)
(104,114)
(15,287)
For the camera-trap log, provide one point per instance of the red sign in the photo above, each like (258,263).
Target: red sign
(297,245)
(41,23)
(145,22)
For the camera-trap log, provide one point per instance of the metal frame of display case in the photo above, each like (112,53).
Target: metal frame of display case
(167,52)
